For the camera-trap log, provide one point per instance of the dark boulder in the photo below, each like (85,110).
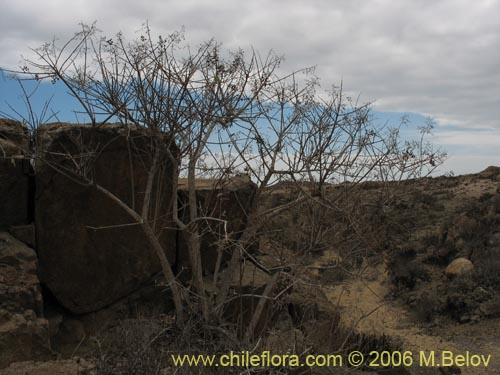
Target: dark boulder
(228,200)
(15,172)
(91,251)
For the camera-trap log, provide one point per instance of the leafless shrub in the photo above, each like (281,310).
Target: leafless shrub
(213,112)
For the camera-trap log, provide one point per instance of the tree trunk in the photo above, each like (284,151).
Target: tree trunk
(193,240)
(160,253)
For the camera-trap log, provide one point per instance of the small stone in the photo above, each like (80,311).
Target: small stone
(459,267)
(70,331)
(464,318)
(412,300)
(491,308)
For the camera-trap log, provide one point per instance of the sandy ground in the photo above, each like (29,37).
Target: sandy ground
(363,304)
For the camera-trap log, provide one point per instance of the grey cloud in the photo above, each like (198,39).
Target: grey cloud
(436,58)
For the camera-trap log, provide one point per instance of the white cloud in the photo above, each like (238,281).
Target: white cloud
(437,58)
(469,151)
(482,139)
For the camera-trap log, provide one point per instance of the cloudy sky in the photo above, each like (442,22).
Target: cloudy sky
(437,58)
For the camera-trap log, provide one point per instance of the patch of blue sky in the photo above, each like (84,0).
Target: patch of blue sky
(469,149)
(61,105)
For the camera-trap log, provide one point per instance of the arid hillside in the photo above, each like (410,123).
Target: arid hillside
(431,280)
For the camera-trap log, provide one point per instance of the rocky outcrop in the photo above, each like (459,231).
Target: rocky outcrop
(14,137)
(229,200)
(22,337)
(14,173)
(490,173)
(24,334)
(91,251)
(19,285)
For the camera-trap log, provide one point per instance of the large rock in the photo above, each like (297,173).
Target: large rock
(14,137)
(14,173)
(229,200)
(90,252)
(24,334)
